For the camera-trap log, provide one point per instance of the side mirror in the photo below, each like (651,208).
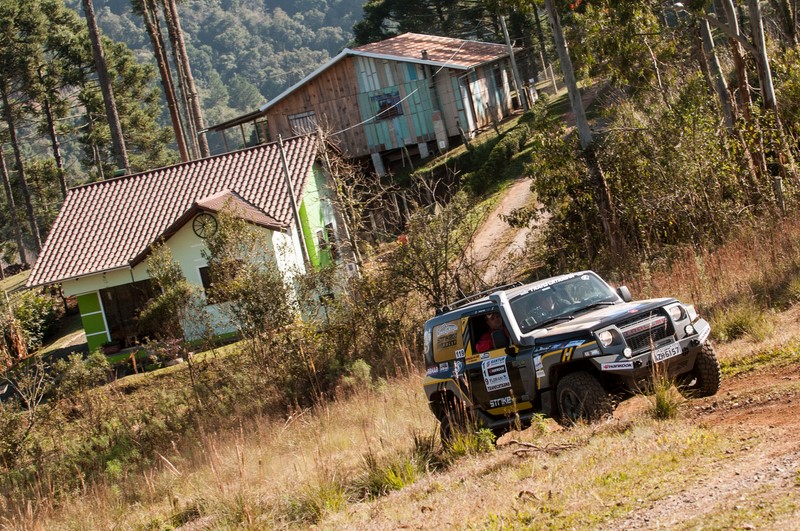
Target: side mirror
(499,339)
(624,293)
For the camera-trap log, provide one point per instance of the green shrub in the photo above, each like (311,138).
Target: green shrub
(493,168)
(468,443)
(741,320)
(38,316)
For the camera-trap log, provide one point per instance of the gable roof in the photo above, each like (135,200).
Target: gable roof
(459,54)
(111,224)
(441,51)
(247,211)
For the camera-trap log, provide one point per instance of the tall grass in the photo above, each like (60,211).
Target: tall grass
(758,268)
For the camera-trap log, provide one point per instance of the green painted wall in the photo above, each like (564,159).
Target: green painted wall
(92,318)
(315,213)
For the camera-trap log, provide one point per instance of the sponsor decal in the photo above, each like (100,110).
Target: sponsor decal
(633,310)
(498,402)
(617,366)
(537,363)
(431,371)
(540,373)
(574,343)
(445,335)
(447,328)
(495,374)
(443,366)
(459,353)
(457,369)
(485,355)
(593,352)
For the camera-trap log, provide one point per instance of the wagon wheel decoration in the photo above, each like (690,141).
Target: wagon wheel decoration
(204,225)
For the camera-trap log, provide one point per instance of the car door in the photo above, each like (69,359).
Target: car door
(494,376)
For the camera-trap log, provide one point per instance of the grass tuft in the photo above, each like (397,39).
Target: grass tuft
(470,443)
(313,501)
(742,320)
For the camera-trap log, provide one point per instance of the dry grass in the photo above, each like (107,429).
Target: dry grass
(760,267)
(269,472)
(313,468)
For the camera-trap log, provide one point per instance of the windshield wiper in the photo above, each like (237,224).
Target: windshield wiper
(555,320)
(595,305)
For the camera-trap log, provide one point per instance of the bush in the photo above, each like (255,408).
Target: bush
(494,167)
(38,316)
(741,320)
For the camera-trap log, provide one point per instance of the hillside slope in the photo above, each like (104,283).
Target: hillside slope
(731,461)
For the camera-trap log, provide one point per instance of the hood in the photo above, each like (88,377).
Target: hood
(597,318)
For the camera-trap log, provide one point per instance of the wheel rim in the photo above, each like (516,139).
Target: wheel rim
(571,406)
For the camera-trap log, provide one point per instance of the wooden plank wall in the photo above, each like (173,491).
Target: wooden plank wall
(342,96)
(333,96)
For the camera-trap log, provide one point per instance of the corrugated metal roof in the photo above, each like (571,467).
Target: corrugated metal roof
(454,53)
(447,52)
(108,224)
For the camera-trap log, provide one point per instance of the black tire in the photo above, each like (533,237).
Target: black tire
(705,377)
(453,419)
(581,397)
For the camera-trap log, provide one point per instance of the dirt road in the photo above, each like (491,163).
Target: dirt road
(497,243)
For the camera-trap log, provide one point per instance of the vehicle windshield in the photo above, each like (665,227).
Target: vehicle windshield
(560,300)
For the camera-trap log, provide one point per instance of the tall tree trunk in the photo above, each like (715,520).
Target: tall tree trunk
(785,157)
(51,129)
(737,53)
(602,192)
(23,183)
(540,36)
(12,208)
(717,86)
(117,140)
(720,85)
(149,13)
(174,26)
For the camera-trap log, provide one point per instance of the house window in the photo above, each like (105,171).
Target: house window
(212,297)
(304,122)
(388,105)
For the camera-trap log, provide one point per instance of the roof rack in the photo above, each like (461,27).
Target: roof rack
(475,296)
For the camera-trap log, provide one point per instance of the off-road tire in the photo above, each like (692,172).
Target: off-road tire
(453,419)
(705,377)
(581,397)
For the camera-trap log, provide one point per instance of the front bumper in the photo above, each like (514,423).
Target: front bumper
(636,371)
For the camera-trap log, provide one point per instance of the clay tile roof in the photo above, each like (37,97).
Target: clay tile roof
(108,224)
(235,202)
(443,50)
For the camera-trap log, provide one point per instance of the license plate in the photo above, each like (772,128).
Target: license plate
(667,352)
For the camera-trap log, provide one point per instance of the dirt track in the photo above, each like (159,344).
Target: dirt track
(760,410)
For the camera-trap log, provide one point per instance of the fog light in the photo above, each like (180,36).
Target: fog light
(689,329)
(627,352)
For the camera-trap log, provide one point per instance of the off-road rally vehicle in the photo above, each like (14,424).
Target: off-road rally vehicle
(570,347)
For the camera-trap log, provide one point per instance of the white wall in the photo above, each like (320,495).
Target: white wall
(187,250)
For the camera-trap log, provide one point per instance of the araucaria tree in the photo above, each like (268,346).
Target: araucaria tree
(53,111)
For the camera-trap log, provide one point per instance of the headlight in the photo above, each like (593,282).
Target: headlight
(605,337)
(676,312)
(689,330)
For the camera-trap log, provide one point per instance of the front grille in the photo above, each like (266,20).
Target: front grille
(644,333)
